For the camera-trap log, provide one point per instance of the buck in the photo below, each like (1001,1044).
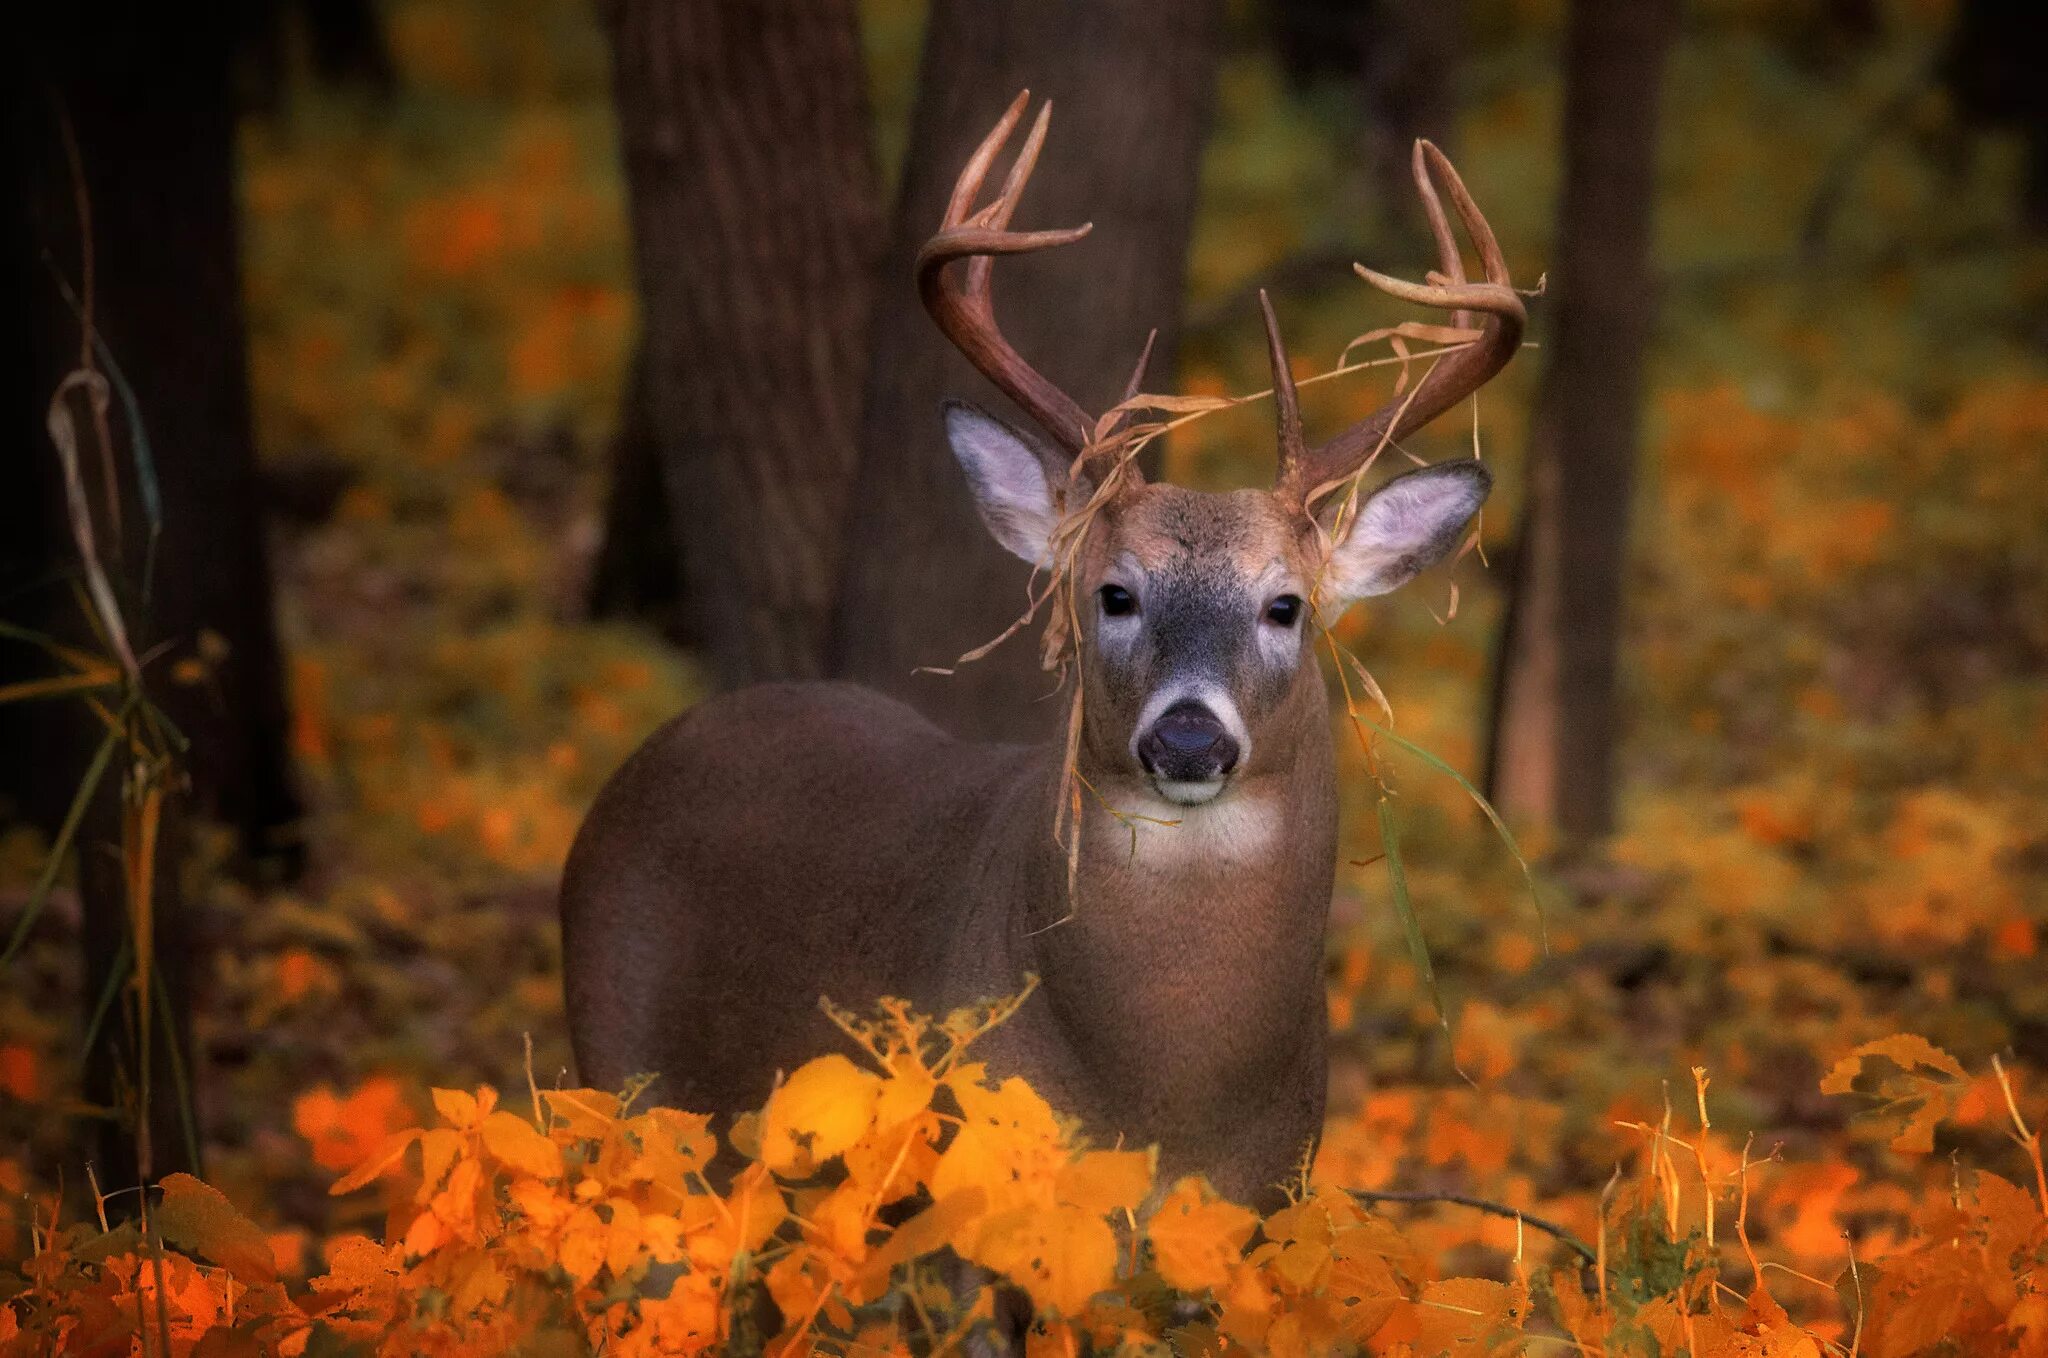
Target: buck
(789,841)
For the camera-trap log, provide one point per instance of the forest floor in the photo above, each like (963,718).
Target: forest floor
(1836,820)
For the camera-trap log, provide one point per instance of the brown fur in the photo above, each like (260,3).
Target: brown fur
(788,841)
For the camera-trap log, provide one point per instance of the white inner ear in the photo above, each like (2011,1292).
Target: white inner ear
(1007,481)
(1405,527)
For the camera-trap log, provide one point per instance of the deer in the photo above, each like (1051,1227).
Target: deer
(791,841)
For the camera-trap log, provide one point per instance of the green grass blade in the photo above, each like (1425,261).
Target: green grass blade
(1500,826)
(61,845)
(188,1122)
(116,974)
(1411,924)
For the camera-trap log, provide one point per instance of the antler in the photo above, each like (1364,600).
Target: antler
(1305,473)
(965,310)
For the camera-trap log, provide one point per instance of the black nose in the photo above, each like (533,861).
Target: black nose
(1187,745)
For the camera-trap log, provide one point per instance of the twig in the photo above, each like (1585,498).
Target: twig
(1550,1228)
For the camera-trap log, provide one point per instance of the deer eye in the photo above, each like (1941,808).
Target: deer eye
(1283,611)
(1117,601)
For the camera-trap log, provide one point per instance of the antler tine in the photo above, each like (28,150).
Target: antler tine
(1098,466)
(966,312)
(967,187)
(1450,259)
(1491,261)
(1454,375)
(1286,401)
(1137,382)
(998,213)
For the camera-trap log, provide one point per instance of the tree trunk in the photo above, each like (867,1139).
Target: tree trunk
(639,570)
(1399,62)
(1991,67)
(923,582)
(754,217)
(143,96)
(1553,743)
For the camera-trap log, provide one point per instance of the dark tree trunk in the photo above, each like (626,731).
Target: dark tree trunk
(1553,744)
(1992,66)
(639,569)
(143,94)
(1400,58)
(754,220)
(1131,85)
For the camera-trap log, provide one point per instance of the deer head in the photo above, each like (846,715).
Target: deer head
(1196,610)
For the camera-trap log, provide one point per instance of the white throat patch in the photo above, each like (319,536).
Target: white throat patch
(1238,827)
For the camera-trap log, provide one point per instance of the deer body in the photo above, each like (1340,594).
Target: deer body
(798,840)
(731,928)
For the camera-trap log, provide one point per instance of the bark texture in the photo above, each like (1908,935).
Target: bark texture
(1131,83)
(639,568)
(1553,747)
(754,221)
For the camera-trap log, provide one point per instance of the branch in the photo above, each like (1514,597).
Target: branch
(1551,1228)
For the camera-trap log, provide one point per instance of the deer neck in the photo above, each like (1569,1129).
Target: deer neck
(1187,959)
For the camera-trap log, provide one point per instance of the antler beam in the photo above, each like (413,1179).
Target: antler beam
(964,308)
(1306,474)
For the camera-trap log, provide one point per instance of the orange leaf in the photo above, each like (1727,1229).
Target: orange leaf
(1103,1182)
(1198,1237)
(817,1113)
(1062,1256)
(1907,1051)
(519,1147)
(1923,1100)
(197,1218)
(376,1166)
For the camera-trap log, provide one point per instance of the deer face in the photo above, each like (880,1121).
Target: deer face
(1195,609)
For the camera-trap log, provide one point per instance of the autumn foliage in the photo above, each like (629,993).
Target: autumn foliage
(909,1202)
(1832,836)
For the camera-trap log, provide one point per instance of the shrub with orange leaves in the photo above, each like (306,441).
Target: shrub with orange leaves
(884,1209)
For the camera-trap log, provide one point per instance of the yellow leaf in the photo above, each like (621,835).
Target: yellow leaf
(905,1093)
(519,1147)
(1197,1237)
(462,1110)
(424,1235)
(541,1205)
(662,1236)
(821,1110)
(376,1166)
(946,1221)
(622,1246)
(1061,1256)
(1103,1182)
(1363,1286)
(1009,1143)
(585,1114)
(673,1146)
(457,1107)
(438,1149)
(1460,1312)
(584,1242)
(478,1282)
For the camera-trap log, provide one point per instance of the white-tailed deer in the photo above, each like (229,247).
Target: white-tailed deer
(793,840)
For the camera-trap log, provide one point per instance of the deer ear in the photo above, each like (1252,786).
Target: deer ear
(1006,478)
(1406,526)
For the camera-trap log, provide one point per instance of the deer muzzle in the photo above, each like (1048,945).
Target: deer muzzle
(1188,752)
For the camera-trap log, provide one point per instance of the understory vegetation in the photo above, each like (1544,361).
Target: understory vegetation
(1777,1056)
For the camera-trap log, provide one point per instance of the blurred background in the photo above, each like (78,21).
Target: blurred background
(488,381)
